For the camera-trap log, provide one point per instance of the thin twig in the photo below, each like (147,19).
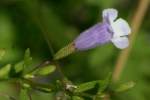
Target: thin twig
(41,24)
(135,25)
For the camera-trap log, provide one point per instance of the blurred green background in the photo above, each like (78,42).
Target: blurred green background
(23,24)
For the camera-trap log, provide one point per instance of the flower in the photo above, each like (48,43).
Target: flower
(110,30)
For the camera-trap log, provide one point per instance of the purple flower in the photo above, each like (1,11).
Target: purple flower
(110,30)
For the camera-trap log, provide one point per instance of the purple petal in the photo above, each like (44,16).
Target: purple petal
(99,34)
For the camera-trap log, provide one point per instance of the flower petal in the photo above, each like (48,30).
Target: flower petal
(110,15)
(120,28)
(120,42)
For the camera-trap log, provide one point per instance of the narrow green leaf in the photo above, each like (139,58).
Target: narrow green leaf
(4,71)
(43,71)
(19,66)
(43,89)
(28,76)
(104,84)
(27,61)
(27,58)
(22,65)
(25,85)
(101,84)
(86,86)
(125,87)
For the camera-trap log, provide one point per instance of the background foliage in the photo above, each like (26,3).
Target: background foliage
(24,24)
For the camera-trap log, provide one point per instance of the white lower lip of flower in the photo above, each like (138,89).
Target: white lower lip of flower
(120,28)
(120,42)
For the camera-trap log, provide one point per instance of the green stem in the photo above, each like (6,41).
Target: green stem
(36,85)
(40,22)
(29,95)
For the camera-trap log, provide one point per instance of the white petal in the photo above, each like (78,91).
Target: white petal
(120,42)
(120,28)
(110,14)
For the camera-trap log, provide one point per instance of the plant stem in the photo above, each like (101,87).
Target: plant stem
(30,98)
(135,25)
(36,84)
(42,24)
